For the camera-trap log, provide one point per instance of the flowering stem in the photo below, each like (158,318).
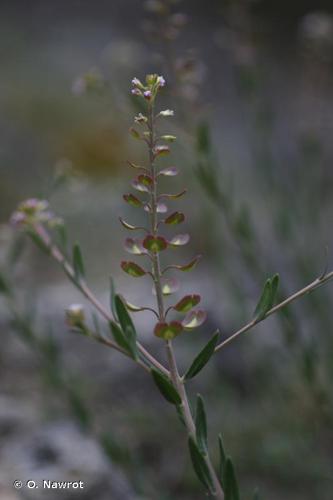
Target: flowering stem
(309,288)
(83,287)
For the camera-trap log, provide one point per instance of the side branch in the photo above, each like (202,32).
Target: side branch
(317,283)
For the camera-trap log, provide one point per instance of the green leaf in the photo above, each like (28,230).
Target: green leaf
(223,459)
(175,218)
(194,319)
(231,490)
(155,243)
(113,299)
(203,139)
(267,298)
(78,265)
(127,326)
(168,331)
(201,426)
(166,388)
(202,358)
(187,303)
(125,339)
(133,269)
(200,466)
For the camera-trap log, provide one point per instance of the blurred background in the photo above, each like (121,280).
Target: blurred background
(251,85)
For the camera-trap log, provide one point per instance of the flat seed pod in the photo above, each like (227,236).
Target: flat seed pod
(175,218)
(168,172)
(146,180)
(134,246)
(155,243)
(133,269)
(179,240)
(161,150)
(139,187)
(194,319)
(168,331)
(132,200)
(169,286)
(187,303)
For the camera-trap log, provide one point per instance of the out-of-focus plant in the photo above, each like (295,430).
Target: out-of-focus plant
(118,330)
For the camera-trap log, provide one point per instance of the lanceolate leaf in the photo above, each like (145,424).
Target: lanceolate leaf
(168,331)
(201,426)
(267,298)
(134,246)
(202,358)
(78,265)
(200,466)
(166,388)
(125,339)
(168,172)
(126,324)
(187,303)
(223,459)
(175,218)
(194,319)
(132,200)
(179,240)
(231,490)
(113,299)
(133,269)
(155,243)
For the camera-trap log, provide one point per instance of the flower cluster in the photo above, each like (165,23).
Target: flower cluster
(146,183)
(34,211)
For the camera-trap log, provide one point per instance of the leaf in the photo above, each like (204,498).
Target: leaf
(231,490)
(166,388)
(168,172)
(125,340)
(187,303)
(155,244)
(185,267)
(200,466)
(132,269)
(179,240)
(201,426)
(203,139)
(78,265)
(127,325)
(223,459)
(175,218)
(172,196)
(194,319)
(168,331)
(202,358)
(134,246)
(132,200)
(113,299)
(169,286)
(267,297)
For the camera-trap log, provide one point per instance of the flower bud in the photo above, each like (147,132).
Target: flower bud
(75,316)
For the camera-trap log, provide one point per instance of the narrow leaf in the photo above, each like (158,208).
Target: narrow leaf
(202,358)
(275,285)
(132,269)
(194,319)
(125,340)
(127,325)
(223,459)
(201,426)
(264,301)
(200,466)
(166,388)
(78,265)
(112,299)
(231,490)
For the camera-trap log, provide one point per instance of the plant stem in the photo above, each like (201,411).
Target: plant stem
(156,271)
(309,288)
(83,287)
